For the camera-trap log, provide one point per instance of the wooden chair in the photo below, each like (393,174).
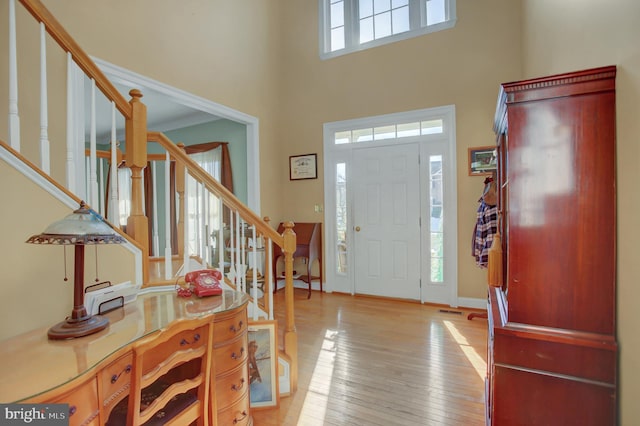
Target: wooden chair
(170,378)
(308,245)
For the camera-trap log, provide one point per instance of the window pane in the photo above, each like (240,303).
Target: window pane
(432,127)
(436,12)
(437,270)
(366,8)
(366,30)
(363,135)
(382,25)
(437,215)
(408,129)
(380,6)
(342,137)
(400,20)
(337,14)
(384,132)
(360,22)
(337,38)
(341,218)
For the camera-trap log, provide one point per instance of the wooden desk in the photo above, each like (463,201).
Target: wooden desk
(80,371)
(308,245)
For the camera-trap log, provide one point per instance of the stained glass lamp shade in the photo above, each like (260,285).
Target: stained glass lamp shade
(80,228)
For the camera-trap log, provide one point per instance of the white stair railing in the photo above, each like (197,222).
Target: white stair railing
(44,112)
(49,28)
(215,234)
(14,116)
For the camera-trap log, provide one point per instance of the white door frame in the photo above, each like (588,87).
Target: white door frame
(197,103)
(341,153)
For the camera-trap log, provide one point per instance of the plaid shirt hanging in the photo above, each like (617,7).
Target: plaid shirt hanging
(486,227)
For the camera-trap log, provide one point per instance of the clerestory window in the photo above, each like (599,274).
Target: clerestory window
(351,25)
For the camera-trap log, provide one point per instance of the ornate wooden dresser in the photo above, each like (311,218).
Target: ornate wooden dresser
(91,373)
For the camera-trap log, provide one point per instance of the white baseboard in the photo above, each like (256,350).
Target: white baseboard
(315,284)
(463,302)
(469,302)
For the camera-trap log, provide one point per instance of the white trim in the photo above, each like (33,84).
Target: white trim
(324,35)
(56,193)
(207,106)
(470,302)
(335,154)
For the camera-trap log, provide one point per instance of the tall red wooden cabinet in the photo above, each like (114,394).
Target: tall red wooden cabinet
(552,325)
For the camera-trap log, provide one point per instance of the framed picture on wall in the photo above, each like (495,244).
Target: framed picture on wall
(482,160)
(263,364)
(303,167)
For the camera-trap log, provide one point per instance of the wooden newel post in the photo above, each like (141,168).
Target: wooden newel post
(136,146)
(181,201)
(290,336)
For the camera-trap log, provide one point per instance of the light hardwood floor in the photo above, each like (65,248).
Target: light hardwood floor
(369,361)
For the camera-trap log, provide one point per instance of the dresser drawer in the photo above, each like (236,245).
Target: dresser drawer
(229,328)
(114,381)
(185,340)
(238,414)
(83,404)
(232,386)
(229,356)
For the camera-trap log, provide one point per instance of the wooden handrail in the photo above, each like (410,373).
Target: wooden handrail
(216,187)
(23,159)
(287,240)
(134,114)
(60,35)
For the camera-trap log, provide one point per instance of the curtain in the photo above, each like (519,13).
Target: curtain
(148,206)
(124,196)
(212,156)
(226,175)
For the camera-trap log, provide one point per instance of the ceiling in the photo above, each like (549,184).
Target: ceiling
(164,113)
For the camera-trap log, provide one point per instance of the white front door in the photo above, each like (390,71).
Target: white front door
(386,225)
(390,224)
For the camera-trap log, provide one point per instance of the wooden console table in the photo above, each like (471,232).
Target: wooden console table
(90,373)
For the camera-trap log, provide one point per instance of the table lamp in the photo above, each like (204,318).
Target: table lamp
(80,228)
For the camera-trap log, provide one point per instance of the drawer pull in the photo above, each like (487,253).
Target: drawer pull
(244,416)
(115,377)
(72,410)
(234,356)
(236,387)
(234,329)
(183,342)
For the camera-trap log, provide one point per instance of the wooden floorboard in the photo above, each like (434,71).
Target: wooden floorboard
(371,361)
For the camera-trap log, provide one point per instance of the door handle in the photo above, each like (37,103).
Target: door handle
(357,229)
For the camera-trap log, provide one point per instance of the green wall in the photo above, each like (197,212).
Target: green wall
(221,131)
(214,131)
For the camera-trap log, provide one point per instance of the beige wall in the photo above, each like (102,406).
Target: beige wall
(579,34)
(462,66)
(225,51)
(34,293)
(261,57)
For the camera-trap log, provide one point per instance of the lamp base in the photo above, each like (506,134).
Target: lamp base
(70,329)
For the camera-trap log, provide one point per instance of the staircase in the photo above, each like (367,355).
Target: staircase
(204,224)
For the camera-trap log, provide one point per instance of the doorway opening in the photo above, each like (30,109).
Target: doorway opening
(390,206)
